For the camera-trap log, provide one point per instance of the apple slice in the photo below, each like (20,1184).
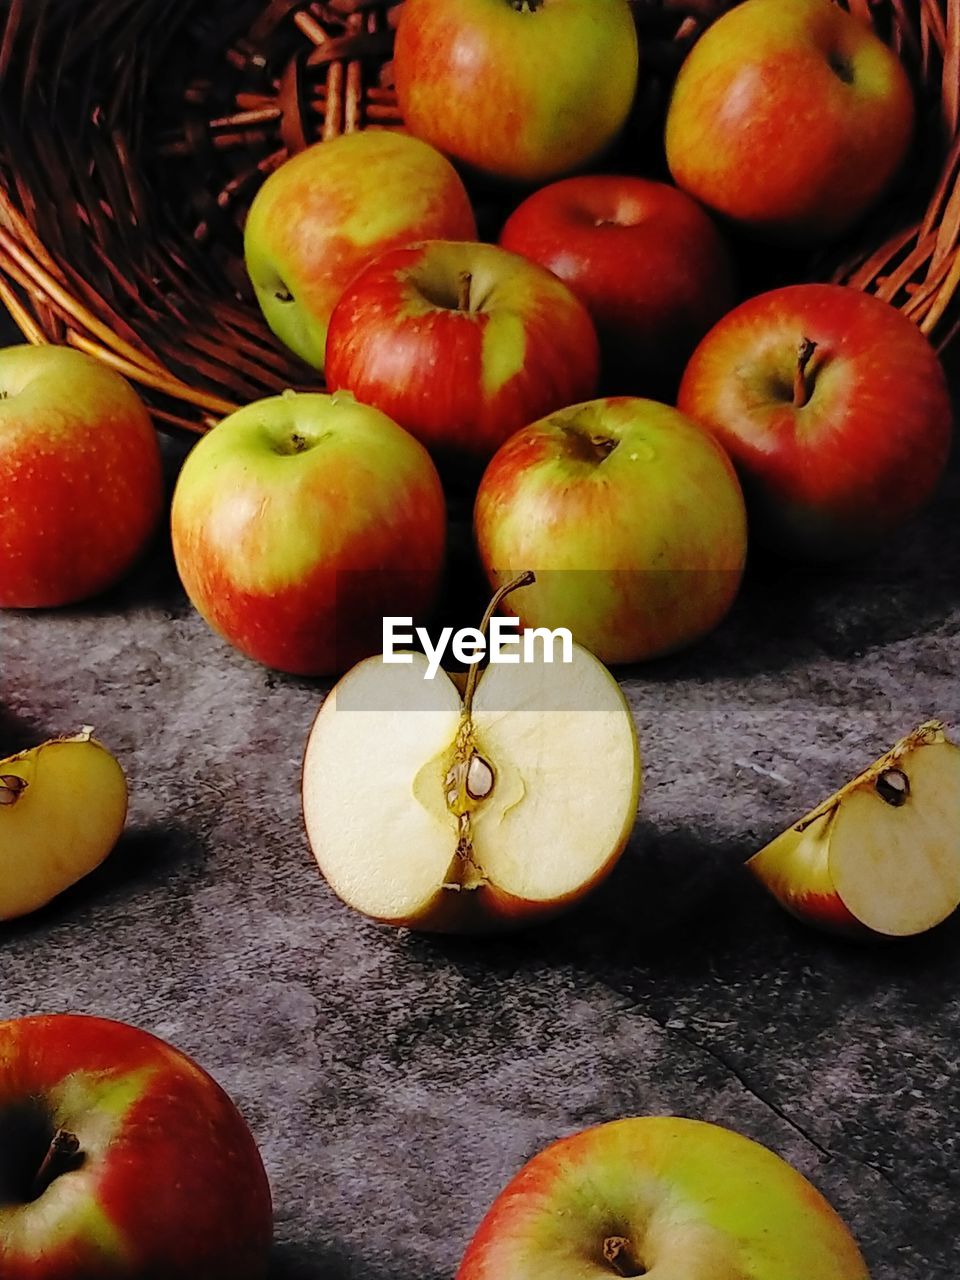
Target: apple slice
(454,813)
(882,855)
(62,809)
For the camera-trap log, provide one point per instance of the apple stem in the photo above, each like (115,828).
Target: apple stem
(525,579)
(618,1253)
(11,788)
(802,387)
(463,296)
(60,1158)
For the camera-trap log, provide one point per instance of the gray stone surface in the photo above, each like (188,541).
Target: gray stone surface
(395,1082)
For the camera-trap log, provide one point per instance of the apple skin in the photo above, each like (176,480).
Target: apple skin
(679,1197)
(461,380)
(790,117)
(327,212)
(648,263)
(523,95)
(81,484)
(171,1182)
(632,519)
(301,520)
(834,477)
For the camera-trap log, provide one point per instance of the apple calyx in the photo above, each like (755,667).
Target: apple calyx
(889,781)
(11,788)
(618,1254)
(526,6)
(62,1156)
(802,385)
(471,778)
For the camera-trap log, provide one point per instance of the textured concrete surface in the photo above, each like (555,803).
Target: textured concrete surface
(395,1082)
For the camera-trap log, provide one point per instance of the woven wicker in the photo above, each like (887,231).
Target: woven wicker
(135,132)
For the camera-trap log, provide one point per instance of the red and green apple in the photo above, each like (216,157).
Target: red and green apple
(520,89)
(834,409)
(299,521)
(462,344)
(325,213)
(81,484)
(120,1157)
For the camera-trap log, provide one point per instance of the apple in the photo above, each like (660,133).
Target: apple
(520,89)
(834,409)
(880,857)
(630,516)
(472,806)
(62,809)
(648,263)
(790,117)
(299,521)
(81,486)
(324,214)
(120,1157)
(660,1195)
(462,344)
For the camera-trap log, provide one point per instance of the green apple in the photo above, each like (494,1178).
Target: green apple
(660,1196)
(327,212)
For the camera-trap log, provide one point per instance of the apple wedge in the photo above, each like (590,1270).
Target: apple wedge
(881,857)
(468,813)
(62,809)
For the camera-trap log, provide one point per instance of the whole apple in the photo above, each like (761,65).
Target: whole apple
(630,516)
(648,263)
(300,521)
(659,1195)
(81,486)
(791,117)
(521,89)
(462,344)
(120,1157)
(324,214)
(834,409)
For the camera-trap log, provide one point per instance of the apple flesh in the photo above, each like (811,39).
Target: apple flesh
(834,409)
(62,809)
(660,1196)
(300,521)
(327,212)
(790,117)
(881,857)
(632,519)
(461,344)
(646,261)
(469,813)
(81,483)
(520,89)
(120,1157)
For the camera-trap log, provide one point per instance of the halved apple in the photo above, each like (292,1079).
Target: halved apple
(882,855)
(62,809)
(468,812)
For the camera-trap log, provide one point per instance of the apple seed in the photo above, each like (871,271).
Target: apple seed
(893,786)
(11,788)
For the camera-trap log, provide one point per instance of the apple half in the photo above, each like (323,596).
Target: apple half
(62,809)
(880,857)
(445,811)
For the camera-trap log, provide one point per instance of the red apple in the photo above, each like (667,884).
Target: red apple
(120,1157)
(790,116)
(300,521)
(324,214)
(523,89)
(648,263)
(631,518)
(462,344)
(81,487)
(660,1196)
(834,409)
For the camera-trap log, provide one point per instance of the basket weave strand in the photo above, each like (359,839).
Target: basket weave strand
(134,134)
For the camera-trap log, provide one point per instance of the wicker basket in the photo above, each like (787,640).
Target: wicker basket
(135,133)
